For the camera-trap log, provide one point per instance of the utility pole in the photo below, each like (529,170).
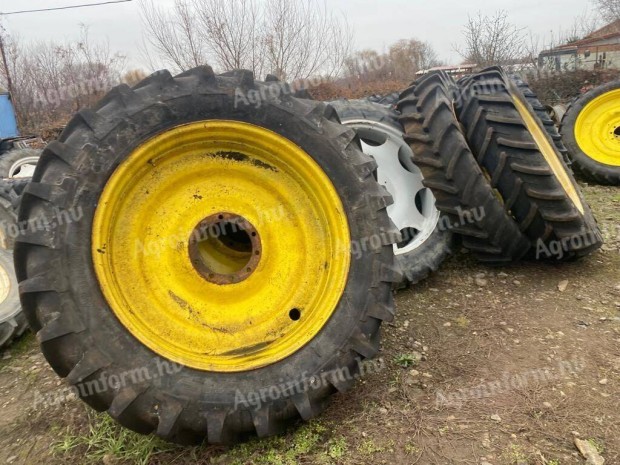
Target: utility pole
(7,71)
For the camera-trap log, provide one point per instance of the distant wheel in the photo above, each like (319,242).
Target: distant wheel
(12,320)
(426,244)
(591,131)
(19,163)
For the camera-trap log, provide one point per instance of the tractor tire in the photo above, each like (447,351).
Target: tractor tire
(232,265)
(591,131)
(425,243)
(451,172)
(511,144)
(12,321)
(19,163)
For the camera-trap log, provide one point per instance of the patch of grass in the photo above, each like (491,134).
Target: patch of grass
(283,450)
(411,448)
(368,447)
(405,360)
(515,455)
(462,321)
(106,439)
(598,445)
(18,348)
(338,448)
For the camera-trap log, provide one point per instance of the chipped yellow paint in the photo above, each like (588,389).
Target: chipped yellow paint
(146,216)
(597,129)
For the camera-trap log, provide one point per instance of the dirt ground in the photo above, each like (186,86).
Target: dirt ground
(481,366)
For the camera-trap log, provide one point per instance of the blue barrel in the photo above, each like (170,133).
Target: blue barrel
(8,119)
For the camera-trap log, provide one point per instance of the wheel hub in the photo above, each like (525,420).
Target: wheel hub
(597,129)
(413,211)
(221,245)
(225,248)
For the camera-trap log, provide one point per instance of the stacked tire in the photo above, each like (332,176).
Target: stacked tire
(12,320)
(482,144)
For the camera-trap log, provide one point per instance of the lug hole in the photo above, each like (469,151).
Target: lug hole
(294,314)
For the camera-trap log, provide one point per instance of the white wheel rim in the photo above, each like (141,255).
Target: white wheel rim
(23,168)
(413,211)
(5,284)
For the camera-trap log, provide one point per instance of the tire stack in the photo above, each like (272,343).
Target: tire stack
(16,169)
(228,251)
(487,144)
(12,320)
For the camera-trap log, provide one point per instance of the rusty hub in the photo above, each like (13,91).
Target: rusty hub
(225,248)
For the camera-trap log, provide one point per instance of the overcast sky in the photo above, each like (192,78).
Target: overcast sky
(377,23)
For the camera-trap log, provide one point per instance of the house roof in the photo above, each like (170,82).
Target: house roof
(610,31)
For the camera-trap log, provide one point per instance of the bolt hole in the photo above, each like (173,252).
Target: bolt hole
(294,314)
(221,217)
(257,252)
(253,234)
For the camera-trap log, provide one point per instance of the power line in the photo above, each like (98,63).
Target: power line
(64,7)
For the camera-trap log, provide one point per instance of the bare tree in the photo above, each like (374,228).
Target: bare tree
(492,40)
(609,9)
(174,36)
(403,59)
(367,65)
(53,80)
(407,57)
(231,30)
(293,39)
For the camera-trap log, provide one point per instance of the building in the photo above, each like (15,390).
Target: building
(457,71)
(599,50)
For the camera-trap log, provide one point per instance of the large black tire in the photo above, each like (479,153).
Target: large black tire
(451,171)
(79,333)
(584,164)
(533,191)
(9,160)
(416,264)
(12,320)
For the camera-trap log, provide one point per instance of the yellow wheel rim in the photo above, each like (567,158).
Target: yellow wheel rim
(548,151)
(597,129)
(221,245)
